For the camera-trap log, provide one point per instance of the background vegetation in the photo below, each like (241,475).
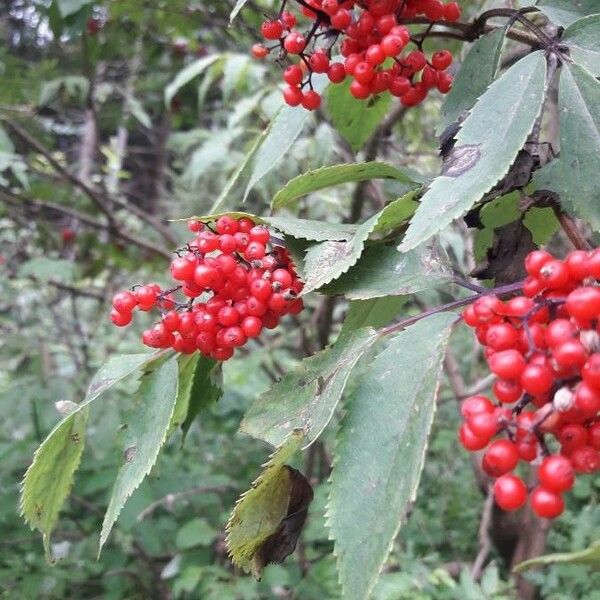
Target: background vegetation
(93,163)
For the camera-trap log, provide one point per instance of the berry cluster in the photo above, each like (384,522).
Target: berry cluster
(544,348)
(374,40)
(236,282)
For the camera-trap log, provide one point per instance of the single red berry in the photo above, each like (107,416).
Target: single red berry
(311,100)
(124,302)
(251,326)
(336,73)
(272,30)
(501,457)
(292,96)
(558,332)
(571,437)
(227,224)
(120,319)
(546,504)
(319,62)
(294,42)
(554,274)
(536,379)
(469,440)
(452,11)
(260,234)
(259,51)
(507,390)
(510,492)
(508,364)
(483,424)
(585,460)
(341,19)
(583,303)
(474,405)
(441,60)
(293,75)
(146,297)
(570,353)
(556,474)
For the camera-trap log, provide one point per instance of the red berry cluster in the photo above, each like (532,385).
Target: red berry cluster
(374,38)
(544,348)
(236,282)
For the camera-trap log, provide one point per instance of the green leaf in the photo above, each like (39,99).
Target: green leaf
(138,111)
(197,532)
(486,146)
(396,213)
(325,177)
(70,7)
(305,398)
(589,556)
(477,72)
(566,12)
(375,312)
(146,432)
(188,73)
(308,229)
(282,133)
(575,176)
(355,119)
(206,390)
(326,261)
(384,271)
(49,478)
(380,451)
(233,181)
(583,40)
(260,511)
(236,9)
(187,365)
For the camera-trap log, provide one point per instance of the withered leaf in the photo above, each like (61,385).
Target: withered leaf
(278,546)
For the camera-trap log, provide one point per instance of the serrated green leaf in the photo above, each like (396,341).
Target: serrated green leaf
(477,72)
(188,73)
(384,271)
(355,119)
(326,261)
(486,146)
(575,176)
(49,478)
(283,131)
(309,229)
(326,177)
(305,398)
(146,432)
(566,12)
(380,451)
(589,556)
(259,512)
(207,388)
(583,41)
(375,312)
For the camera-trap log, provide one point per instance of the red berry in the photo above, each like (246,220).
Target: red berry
(546,504)
(294,42)
(272,30)
(583,303)
(507,390)
(469,440)
(311,100)
(259,51)
(124,302)
(556,474)
(336,73)
(510,492)
(536,379)
(441,60)
(474,405)
(120,319)
(251,326)
(501,457)
(585,459)
(452,11)
(508,364)
(292,96)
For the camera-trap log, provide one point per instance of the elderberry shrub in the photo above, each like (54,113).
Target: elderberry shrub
(544,348)
(236,283)
(379,53)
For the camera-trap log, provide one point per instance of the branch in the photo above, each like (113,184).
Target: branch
(73,179)
(170,499)
(511,288)
(16,200)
